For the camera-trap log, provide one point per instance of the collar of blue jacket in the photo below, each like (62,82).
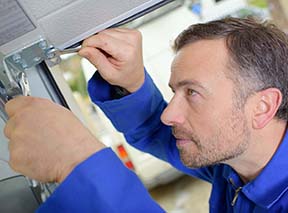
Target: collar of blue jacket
(271,183)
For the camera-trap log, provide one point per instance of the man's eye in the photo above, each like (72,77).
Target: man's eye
(191,92)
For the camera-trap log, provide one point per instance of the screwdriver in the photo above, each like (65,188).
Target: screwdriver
(54,52)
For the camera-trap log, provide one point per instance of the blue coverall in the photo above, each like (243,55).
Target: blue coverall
(103,184)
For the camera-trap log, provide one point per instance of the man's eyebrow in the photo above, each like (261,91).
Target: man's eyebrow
(187,83)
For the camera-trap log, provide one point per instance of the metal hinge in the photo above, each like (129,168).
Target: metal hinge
(13,68)
(13,77)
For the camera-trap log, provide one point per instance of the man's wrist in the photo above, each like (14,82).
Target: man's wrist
(83,154)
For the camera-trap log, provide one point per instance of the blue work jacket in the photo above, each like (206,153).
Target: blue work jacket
(103,184)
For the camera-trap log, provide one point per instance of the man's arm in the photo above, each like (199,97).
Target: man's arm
(101,184)
(137,116)
(49,144)
(117,54)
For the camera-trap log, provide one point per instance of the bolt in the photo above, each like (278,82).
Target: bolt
(37,59)
(16,58)
(50,54)
(24,65)
(43,44)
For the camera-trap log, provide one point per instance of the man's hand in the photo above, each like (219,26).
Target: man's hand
(46,140)
(117,54)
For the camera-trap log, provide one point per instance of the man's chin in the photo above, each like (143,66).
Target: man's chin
(193,166)
(189,163)
(195,162)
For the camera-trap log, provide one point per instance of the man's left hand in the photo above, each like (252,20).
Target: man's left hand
(46,140)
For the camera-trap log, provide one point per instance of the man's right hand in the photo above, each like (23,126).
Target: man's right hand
(117,54)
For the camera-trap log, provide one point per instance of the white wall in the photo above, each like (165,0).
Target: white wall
(157,39)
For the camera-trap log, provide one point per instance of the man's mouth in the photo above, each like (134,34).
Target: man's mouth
(184,137)
(181,139)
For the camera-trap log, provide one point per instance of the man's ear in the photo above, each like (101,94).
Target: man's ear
(267,105)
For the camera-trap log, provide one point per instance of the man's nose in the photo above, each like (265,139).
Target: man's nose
(173,113)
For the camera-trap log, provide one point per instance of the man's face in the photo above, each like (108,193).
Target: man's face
(207,122)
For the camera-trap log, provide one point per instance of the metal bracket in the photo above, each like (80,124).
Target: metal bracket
(13,69)
(18,63)
(14,81)
(32,55)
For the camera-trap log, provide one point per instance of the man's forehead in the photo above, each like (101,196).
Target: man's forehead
(200,61)
(203,53)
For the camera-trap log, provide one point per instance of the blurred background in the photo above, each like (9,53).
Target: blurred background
(174,191)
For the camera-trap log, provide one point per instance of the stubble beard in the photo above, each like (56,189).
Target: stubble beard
(225,144)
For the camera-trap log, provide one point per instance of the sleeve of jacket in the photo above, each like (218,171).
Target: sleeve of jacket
(100,184)
(138,116)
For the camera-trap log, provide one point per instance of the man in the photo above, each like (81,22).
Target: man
(225,124)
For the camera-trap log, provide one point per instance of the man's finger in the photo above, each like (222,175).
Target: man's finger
(113,46)
(123,30)
(17,104)
(9,128)
(96,57)
(125,35)
(118,33)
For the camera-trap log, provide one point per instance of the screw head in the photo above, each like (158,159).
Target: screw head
(43,44)
(24,65)
(16,58)
(50,54)
(37,59)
